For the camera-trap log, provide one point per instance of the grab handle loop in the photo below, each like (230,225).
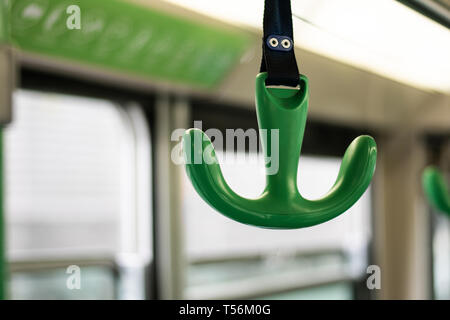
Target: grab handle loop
(278,57)
(282,96)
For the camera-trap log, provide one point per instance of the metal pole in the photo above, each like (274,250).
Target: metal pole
(170,263)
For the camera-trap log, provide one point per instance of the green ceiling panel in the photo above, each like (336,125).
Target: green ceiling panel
(129,38)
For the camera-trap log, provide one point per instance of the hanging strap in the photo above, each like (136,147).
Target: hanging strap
(278,58)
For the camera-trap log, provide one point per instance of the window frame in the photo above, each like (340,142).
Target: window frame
(127,101)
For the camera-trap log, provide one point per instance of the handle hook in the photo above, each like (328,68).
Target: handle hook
(280,205)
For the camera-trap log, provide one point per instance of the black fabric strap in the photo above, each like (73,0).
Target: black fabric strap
(280,65)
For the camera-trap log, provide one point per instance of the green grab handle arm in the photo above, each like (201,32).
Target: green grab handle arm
(436,190)
(280,205)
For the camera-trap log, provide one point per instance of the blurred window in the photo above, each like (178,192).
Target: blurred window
(441,257)
(232,260)
(72,197)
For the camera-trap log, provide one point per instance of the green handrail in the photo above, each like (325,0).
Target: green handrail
(436,189)
(280,205)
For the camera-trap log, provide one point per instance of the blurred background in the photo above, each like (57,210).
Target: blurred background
(88,118)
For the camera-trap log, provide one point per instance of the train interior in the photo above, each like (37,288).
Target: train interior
(96,95)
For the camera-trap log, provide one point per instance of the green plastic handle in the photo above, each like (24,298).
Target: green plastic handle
(436,189)
(280,205)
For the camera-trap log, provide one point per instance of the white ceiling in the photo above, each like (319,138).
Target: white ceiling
(383,36)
